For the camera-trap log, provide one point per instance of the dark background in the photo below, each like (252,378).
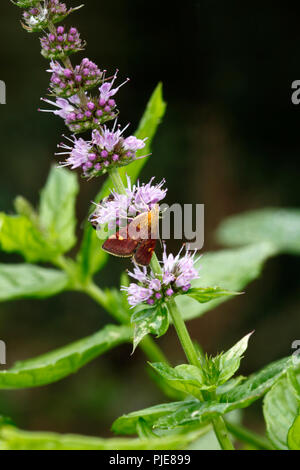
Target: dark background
(230,140)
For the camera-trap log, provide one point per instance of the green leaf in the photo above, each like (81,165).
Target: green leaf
(153,320)
(18,234)
(193,412)
(294,435)
(57,208)
(281,408)
(91,257)
(228,269)
(186,378)
(62,362)
(229,362)
(25,280)
(279,226)
(15,439)
(206,294)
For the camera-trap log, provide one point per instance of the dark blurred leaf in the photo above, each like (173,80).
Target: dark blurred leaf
(281,227)
(25,280)
(281,408)
(228,269)
(91,257)
(57,208)
(62,362)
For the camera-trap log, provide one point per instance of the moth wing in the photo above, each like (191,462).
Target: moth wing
(120,244)
(144,252)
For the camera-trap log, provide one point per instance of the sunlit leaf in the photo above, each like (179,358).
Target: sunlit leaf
(57,208)
(294,434)
(25,280)
(18,234)
(281,407)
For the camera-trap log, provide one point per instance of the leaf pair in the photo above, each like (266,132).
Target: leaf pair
(213,373)
(195,412)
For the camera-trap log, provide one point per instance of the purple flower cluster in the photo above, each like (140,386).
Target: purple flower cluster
(37,17)
(117,209)
(176,277)
(66,82)
(106,150)
(62,43)
(86,112)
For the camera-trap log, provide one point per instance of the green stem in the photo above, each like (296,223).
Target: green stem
(243,434)
(222,433)
(183,333)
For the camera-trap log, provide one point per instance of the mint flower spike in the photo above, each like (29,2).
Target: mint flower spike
(108,149)
(120,209)
(66,82)
(176,277)
(82,115)
(61,44)
(38,17)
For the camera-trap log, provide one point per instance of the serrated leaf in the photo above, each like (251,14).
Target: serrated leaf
(62,362)
(281,407)
(230,361)
(185,378)
(25,280)
(91,257)
(206,294)
(15,439)
(279,226)
(228,269)
(153,320)
(57,208)
(18,234)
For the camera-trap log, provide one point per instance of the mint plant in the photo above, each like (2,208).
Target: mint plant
(206,390)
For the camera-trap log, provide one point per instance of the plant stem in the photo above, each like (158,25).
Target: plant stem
(222,433)
(243,434)
(183,333)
